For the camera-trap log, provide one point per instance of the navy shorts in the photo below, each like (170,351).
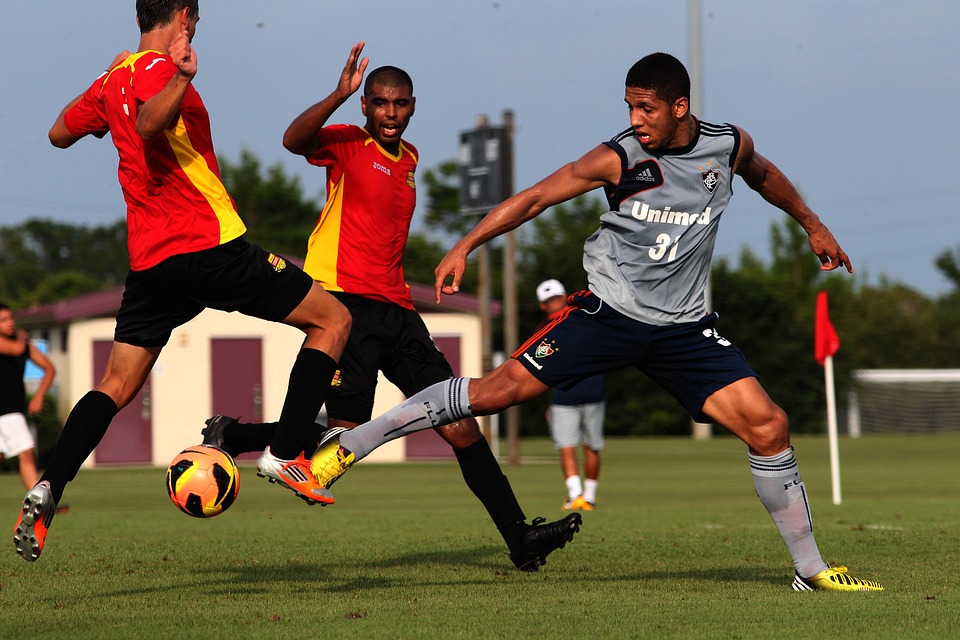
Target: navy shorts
(690,360)
(384,337)
(236,276)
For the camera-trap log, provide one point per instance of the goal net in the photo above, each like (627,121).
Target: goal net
(905,401)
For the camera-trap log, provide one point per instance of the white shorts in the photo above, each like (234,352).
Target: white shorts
(571,425)
(15,435)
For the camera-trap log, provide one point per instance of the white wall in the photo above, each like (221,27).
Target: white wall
(181,394)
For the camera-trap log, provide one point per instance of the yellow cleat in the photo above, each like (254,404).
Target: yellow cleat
(834,579)
(331,460)
(578,504)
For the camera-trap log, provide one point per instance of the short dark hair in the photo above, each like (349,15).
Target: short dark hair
(157,13)
(662,73)
(4,306)
(389,76)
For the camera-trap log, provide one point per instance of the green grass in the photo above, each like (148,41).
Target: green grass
(680,548)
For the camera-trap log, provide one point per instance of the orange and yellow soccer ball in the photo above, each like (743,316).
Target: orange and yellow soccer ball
(203,481)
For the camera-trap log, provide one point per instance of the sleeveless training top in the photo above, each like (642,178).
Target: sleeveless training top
(13,398)
(651,256)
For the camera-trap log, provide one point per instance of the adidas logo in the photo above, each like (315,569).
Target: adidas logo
(645,176)
(295,473)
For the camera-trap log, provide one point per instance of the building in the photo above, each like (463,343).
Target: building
(223,363)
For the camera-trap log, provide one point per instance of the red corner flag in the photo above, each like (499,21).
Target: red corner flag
(825,339)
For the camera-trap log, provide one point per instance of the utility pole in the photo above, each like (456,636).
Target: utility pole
(701,430)
(510,339)
(486,179)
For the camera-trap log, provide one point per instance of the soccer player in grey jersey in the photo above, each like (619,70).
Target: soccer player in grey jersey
(668,180)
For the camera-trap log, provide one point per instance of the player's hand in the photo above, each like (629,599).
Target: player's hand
(452,264)
(826,247)
(35,405)
(183,54)
(352,75)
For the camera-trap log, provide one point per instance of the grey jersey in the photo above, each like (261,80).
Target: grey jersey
(651,256)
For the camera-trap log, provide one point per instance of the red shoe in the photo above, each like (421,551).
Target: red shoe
(294,475)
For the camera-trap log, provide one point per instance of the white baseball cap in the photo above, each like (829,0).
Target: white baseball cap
(549,289)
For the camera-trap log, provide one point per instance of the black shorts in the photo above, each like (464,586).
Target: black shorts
(384,337)
(690,360)
(236,276)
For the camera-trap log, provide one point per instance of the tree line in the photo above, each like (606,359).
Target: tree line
(766,304)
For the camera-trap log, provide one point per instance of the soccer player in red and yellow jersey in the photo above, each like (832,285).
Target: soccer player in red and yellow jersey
(356,253)
(186,253)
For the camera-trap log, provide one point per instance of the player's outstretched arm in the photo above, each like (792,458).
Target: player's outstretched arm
(60,136)
(301,136)
(765,178)
(596,168)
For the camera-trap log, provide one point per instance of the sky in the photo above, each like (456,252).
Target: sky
(855,100)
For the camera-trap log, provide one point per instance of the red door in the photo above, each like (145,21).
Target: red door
(129,440)
(236,379)
(426,443)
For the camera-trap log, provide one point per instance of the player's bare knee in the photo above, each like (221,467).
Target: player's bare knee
(462,434)
(342,323)
(491,394)
(772,436)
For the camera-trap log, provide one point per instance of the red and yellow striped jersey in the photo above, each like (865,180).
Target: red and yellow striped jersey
(176,202)
(357,245)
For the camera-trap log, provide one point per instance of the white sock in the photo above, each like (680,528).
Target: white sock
(574,489)
(439,404)
(590,491)
(782,492)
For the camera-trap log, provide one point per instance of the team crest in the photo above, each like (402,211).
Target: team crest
(278,263)
(544,349)
(410,182)
(711,179)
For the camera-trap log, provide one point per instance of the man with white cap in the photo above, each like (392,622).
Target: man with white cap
(575,417)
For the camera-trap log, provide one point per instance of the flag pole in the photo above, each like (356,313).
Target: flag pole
(825,344)
(832,428)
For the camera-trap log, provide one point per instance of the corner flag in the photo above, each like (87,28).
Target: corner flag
(825,344)
(825,340)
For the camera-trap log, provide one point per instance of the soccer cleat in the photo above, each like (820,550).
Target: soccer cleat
(331,460)
(34,521)
(542,539)
(213,432)
(834,579)
(578,504)
(294,475)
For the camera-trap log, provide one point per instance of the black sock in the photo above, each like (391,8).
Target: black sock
(82,432)
(240,437)
(297,431)
(483,475)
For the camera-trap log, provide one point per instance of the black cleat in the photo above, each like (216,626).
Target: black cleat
(213,432)
(543,539)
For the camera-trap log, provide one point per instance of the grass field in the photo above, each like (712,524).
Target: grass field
(680,548)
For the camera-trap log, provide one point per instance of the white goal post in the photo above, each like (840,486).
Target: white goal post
(904,401)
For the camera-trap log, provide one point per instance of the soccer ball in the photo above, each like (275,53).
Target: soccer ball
(203,481)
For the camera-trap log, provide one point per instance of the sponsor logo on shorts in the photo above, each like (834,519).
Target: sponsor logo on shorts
(337,379)
(278,263)
(712,333)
